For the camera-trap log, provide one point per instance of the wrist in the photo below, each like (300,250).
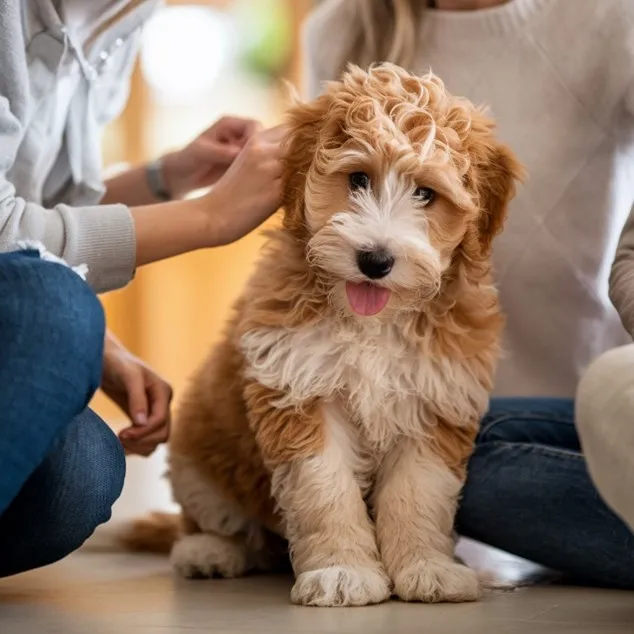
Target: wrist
(110,349)
(171,175)
(156,182)
(212,207)
(201,220)
(112,346)
(169,229)
(110,342)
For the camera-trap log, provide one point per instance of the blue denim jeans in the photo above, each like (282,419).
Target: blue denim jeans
(528,492)
(61,468)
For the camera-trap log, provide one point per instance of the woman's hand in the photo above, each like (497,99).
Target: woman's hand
(247,194)
(250,191)
(143,395)
(201,163)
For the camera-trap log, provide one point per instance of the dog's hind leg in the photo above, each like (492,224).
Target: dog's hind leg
(219,539)
(205,554)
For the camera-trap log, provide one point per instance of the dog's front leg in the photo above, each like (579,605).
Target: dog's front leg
(415,505)
(331,537)
(332,540)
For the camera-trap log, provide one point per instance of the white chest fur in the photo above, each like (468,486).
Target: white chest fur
(389,387)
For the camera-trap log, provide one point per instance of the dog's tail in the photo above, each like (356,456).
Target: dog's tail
(155,533)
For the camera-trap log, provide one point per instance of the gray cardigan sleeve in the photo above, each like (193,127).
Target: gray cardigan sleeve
(622,276)
(102,237)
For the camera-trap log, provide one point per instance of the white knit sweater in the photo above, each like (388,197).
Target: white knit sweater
(558,76)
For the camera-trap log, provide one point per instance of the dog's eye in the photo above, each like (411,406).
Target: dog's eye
(424,195)
(359,180)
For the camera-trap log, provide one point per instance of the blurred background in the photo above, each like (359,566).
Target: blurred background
(225,57)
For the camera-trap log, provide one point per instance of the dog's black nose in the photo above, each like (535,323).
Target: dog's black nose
(375,264)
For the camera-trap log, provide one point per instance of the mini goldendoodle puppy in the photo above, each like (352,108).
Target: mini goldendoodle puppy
(340,409)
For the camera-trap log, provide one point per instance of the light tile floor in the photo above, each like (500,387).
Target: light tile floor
(93,593)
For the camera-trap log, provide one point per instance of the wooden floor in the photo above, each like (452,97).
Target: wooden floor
(93,593)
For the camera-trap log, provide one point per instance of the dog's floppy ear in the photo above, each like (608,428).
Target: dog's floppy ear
(495,174)
(305,123)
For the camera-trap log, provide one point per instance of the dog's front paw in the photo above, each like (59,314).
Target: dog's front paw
(436,581)
(202,556)
(341,586)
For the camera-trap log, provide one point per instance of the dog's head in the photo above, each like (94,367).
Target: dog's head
(393,183)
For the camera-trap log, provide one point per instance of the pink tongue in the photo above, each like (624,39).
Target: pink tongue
(366,299)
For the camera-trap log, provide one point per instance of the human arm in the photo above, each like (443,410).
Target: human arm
(243,198)
(199,164)
(113,239)
(141,393)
